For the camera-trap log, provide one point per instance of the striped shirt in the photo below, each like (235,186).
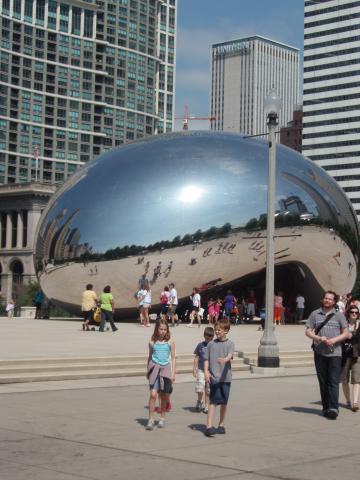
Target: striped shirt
(161,353)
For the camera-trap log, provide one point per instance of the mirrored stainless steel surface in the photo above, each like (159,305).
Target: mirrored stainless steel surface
(189,208)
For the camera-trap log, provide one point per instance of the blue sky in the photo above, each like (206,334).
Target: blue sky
(204,22)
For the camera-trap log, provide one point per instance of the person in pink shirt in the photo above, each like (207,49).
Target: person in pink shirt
(211,311)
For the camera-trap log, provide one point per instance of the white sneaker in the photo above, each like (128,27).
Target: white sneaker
(161,423)
(150,425)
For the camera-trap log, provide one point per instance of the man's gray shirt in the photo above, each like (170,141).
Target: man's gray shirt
(216,349)
(332,329)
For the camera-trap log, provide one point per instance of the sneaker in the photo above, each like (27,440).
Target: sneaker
(221,430)
(198,406)
(355,407)
(161,423)
(150,425)
(210,432)
(205,409)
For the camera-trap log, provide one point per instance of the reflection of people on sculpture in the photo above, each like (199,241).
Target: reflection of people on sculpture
(107,309)
(336,256)
(89,301)
(196,304)
(231,248)
(144,296)
(157,273)
(220,246)
(168,269)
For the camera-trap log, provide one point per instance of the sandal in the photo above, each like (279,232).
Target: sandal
(355,407)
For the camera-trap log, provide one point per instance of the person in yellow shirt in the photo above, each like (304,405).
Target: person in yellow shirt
(88,303)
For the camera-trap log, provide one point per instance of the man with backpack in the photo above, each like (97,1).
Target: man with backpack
(328,329)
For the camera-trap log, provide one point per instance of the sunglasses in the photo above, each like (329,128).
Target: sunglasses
(354,311)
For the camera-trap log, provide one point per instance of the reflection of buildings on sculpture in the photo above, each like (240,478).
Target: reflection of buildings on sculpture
(20,211)
(293,204)
(59,241)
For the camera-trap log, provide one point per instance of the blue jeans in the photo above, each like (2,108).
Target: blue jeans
(328,371)
(107,315)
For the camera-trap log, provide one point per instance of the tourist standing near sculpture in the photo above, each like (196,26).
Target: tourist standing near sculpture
(107,309)
(164,302)
(88,303)
(173,303)
(229,303)
(10,307)
(251,304)
(351,362)
(196,304)
(328,328)
(161,369)
(144,296)
(300,305)
(278,308)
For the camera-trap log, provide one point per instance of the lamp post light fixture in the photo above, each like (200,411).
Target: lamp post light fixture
(268,351)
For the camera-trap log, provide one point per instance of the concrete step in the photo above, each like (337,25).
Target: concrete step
(54,367)
(290,359)
(75,360)
(100,367)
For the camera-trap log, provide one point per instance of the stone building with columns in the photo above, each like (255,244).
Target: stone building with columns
(21,206)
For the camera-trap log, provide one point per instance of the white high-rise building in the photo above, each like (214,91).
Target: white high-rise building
(331,122)
(243,73)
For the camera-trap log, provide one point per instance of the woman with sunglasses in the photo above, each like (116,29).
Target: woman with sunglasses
(351,350)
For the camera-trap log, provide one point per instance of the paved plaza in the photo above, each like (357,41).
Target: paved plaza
(94,429)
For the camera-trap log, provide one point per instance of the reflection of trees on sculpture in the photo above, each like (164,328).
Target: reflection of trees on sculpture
(126,251)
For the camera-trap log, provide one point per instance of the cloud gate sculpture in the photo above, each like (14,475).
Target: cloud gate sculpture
(190,208)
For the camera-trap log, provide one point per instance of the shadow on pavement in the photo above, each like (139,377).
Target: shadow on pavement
(190,409)
(310,411)
(198,427)
(142,421)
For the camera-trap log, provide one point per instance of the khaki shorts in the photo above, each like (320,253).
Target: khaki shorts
(352,366)
(200,385)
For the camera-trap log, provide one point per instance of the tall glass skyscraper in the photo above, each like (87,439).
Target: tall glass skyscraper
(331,121)
(80,77)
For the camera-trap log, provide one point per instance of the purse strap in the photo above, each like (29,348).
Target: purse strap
(322,324)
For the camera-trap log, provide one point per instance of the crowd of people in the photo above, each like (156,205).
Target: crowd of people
(334,329)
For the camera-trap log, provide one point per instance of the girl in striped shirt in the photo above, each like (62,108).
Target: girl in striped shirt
(161,370)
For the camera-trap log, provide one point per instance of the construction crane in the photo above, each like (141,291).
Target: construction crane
(186,117)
